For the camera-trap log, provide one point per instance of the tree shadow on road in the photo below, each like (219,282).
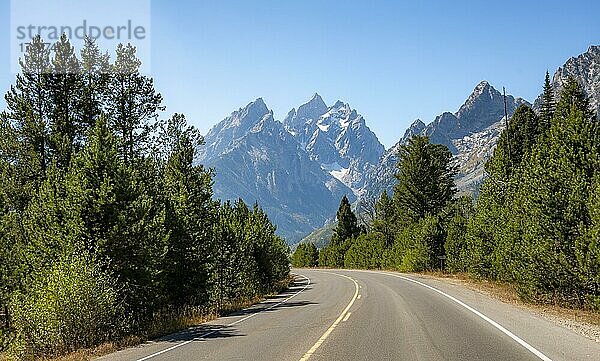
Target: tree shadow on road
(270,307)
(209,331)
(201,332)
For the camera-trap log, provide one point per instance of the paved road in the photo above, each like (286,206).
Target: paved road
(362,315)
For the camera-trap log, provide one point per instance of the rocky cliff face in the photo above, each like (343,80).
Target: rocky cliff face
(257,159)
(337,138)
(585,68)
(470,133)
(299,169)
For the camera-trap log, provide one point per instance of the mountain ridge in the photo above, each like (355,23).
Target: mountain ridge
(299,168)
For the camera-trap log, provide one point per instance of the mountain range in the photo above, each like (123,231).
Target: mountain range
(298,169)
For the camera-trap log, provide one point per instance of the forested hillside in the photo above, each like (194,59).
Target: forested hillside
(107,223)
(536,223)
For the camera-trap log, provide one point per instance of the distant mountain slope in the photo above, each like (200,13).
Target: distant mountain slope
(319,237)
(256,159)
(586,69)
(470,133)
(298,169)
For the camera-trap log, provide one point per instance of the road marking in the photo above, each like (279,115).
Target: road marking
(359,296)
(516,338)
(312,350)
(198,338)
(347,317)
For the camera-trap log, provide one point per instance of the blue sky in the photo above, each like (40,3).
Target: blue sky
(394,61)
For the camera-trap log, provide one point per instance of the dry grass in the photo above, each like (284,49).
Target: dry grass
(507,293)
(164,324)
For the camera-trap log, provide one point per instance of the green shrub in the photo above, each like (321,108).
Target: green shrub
(306,255)
(418,245)
(365,252)
(71,305)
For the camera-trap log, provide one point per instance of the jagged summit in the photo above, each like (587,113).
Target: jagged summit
(251,113)
(417,123)
(415,128)
(338,104)
(586,69)
(257,106)
(299,168)
(483,93)
(306,112)
(266,121)
(232,128)
(470,133)
(316,97)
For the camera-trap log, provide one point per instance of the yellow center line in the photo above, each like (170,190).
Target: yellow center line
(312,350)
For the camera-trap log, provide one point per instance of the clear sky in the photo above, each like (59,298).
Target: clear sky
(394,61)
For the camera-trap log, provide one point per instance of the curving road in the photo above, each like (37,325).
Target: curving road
(369,315)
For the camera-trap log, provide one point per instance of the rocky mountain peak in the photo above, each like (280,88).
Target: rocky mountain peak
(415,128)
(586,69)
(418,123)
(339,105)
(306,112)
(257,107)
(483,94)
(235,126)
(316,98)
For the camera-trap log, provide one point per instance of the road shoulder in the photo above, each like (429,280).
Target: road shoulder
(583,322)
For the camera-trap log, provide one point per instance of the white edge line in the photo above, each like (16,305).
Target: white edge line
(312,350)
(516,338)
(229,325)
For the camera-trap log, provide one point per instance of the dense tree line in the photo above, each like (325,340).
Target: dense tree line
(408,229)
(105,217)
(306,255)
(536,222)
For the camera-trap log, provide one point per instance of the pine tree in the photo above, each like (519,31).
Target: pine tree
(525,129)
(366,252)
(548,104)
(425,179)
(64,89)
(384,222)
(189,214)
(124,218)
(347,224)
(536,231)
(455,218)
(96,76)
(118,197)
(345,232)
(132,104)
(102,173)
(573,97)
(25,124)
(306,255)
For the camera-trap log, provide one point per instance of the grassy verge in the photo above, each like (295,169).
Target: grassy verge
(164,323)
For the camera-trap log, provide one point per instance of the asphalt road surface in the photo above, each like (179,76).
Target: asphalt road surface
(368,315)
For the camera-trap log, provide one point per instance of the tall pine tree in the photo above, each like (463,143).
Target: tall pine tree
(347,224)
(425,179)
(548,104)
